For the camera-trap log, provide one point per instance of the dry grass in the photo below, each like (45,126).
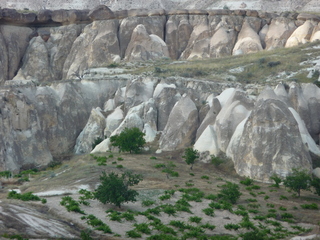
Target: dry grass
(256,66)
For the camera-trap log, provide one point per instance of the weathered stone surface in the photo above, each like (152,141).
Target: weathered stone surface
(44,15)
(307,16)
(248,41)
(198,44)
(301,35)
(17,39)
(97,46)
(279,31)
(4,59)
(154,25)
(210,117)
(93,130)
(23,143)
(178,30)
(36,57)
(68,16)
(315,34)
(262,151)
(101,12)
(113,121)
(181,127)
(143,46)
(166,96)
(316,172)
(207,142)
(236,108)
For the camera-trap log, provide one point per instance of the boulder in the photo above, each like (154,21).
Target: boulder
(143,47)
(181,127)
(166,96)
(207,142)
(154,25)
(44,15)
(4,59)
(17,40)
(36,57)
(113,121)
(198,44)
(315,34)
(138,91)
(101,12)
(222,42)
(237,108)
(301,35)
(261,150)
(279,31)
(248,41)
(178,31)
(98,45)
(92,131)
(316,172)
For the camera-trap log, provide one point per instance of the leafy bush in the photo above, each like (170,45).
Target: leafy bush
(216,161)
(231,226)
(115,189)
(315,183)
(129,140)
(133,234)
(204,177)
(190,156)
(178,224)
(97,223)
(129,216)
(230,192)
(282,208)
(208,226)
(266,197)
(310,206)
(282,197)
(6,174)
(277,180)
(247,181)
(153,157)
(96,141)
(143,228)
(147,203)
(161,236)
(71,204)
(195,219)
(24,197)
(208,211)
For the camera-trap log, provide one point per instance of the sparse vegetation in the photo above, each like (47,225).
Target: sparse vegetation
(190,156)
(298,180)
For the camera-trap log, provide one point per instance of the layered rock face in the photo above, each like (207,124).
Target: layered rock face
(75,41)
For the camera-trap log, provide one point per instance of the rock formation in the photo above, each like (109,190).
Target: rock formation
(75,41)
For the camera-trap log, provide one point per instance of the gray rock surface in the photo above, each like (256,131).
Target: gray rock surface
(262,150)
(181,127)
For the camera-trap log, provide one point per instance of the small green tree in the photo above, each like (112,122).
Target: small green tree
(115,189)
(297,180)
(129,140)
(190,156)
(277,180)
(230,192)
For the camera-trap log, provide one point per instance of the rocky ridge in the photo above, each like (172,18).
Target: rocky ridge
(67,43)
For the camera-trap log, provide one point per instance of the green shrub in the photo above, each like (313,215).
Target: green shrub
(120,159)
(165,229)
(129,216)
(178,224)
(255,211)
(216,161)
(270,205)
(251,200)
(282,208)
(97,223)
(143,228)
(253,205)
(230,192)
(147,203)
(119,166)
(162,236)
(211,197)
(266,197)
(71,204)
(286,215)
(24,197)
(115,216)
(43,201)
(246,223)
(282,197)
(165,197)
(247,181)
(160,165)
(204,177)
(277,180)
(6,174)
(195,219)
(133,234)
(310,206)
(208,226)
(208,211)
(168,209)
(231,226)
(153,157)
